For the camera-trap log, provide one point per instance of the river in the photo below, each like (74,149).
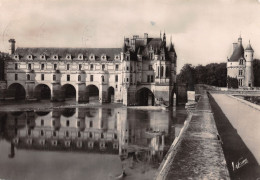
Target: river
(92,142)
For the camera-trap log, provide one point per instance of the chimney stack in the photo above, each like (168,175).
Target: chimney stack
(12,46)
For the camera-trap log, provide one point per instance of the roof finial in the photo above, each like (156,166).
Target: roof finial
(171,39)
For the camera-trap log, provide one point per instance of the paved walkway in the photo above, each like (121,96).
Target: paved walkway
(199,153)
(244,118)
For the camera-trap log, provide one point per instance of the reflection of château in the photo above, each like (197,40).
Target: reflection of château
(115,131)
(142,72)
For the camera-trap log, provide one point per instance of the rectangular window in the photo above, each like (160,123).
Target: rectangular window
(150,67)
(42,122)
(148,78)
(67,123)
(42,77)
(16,77)
(42,66)
(131,68)
(126,79)
(28,77)
(103,79)
(116,78)
(55,66)
(91,66)
(90,124)
(68,77)
(68,67)
(78,123)
(15,66)
(152,80)
(80,66)
(240,72)
(29,66)
(54,77)
(131,78)
(103,67)
(116,67)
(91,78)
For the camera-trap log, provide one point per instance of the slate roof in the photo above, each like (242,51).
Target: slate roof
(249,47)
(237,53)
(74,52)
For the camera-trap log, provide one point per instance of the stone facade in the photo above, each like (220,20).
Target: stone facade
(240,64)
(142,72)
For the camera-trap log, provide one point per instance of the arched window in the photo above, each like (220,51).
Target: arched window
(79,77)
(28,77)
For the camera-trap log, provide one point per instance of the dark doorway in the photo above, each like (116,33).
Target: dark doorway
(16,91)
(145,97)
(110,94)
(42,91)
(93,93)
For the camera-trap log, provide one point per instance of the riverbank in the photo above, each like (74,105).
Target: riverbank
(198,153)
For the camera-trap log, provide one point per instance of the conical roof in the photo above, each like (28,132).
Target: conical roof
(237,53)
(171,48)
(249,47)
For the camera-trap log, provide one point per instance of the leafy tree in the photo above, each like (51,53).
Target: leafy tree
(187,76)
(232,82)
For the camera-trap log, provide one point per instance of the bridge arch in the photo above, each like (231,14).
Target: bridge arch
(42,91)
(145,97)
(68,91)
(16,91)
(110,94)
(93,93)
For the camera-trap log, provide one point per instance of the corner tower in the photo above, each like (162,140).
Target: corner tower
(249,56)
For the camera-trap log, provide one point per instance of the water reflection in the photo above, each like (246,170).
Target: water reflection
(140,138)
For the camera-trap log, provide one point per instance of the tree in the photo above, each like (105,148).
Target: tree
(232,82)
(187,75)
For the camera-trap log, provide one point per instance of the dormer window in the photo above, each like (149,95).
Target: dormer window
(92,57)
(80,56)
(16,57)
(68,57)
(116,57)
(43,57)
(55,57)
(30,57)
(241,62)
(103,57)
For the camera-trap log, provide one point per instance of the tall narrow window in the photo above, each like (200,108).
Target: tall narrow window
(79,77)
(103,79)
(152,80)
(29,66)
(116,78)
(116,67)
(16,77)
(90,123)
(42,122)
(67,123)
(150,67)
(91,78)
(91,66)
(15,66)
(103,67)
(68,67)
(127,68)
(148,78)
(80,66)
(42,66)
(161,71)
(54,77)
(68,77)
(55,66)
(42,77)
(28,77)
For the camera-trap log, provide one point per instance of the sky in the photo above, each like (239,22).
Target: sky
(202,30)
